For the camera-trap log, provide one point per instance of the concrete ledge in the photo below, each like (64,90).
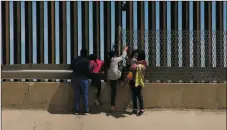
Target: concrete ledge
(59,97)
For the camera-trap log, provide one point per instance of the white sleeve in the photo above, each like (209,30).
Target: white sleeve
(120,58)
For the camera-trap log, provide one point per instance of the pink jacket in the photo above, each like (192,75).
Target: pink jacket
(97,65)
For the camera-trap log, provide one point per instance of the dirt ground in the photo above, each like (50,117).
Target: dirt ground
(151,120)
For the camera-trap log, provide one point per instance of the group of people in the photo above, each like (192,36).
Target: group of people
(89,67)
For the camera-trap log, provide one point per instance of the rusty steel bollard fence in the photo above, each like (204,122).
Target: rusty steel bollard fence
(181,56)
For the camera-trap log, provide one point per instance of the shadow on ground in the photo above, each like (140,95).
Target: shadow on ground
(62,101)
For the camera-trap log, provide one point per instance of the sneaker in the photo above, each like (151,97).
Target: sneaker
(112,109)
(134,111)
(76,112)
(97,103)
(141,112)
(87,111)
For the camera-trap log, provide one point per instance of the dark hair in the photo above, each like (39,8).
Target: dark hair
(111,54)
(83,52)
(141,55)
(93,57)
(133,53)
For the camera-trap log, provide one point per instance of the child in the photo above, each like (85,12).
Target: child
(114,73)
(134,62)
(137,82)
(95,76)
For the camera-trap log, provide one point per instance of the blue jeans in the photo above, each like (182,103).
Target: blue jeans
(81,87)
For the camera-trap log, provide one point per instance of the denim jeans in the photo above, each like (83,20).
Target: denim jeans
(80,86)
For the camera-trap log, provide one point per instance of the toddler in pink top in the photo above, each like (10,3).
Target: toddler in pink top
(96,75)
(97,65)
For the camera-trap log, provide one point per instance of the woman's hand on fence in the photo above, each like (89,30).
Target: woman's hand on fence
(126,48)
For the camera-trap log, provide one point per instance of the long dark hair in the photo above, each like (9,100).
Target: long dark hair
(133,53)
(111,54)
(93,57)
(141,55)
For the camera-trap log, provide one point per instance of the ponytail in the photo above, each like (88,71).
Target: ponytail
(111,55)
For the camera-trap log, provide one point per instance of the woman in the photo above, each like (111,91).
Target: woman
(136,84)
(114,73)
(95,76)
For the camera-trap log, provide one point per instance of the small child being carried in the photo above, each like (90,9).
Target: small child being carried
(134,63)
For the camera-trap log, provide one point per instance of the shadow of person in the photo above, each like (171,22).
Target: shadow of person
(62,101)
(118,114)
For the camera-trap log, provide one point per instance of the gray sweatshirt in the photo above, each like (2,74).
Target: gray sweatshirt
(113,71)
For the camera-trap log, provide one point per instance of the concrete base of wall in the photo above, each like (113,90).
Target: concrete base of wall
(59,97)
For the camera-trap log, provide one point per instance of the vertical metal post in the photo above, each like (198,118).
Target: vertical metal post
(5,33)
(152,32)
(129,25)
(141,23)
(85,24)
(28,33)
(51,32)
(107,33)
(63,32)
(208,33)
(174,33)
(185,34)
(163,33)
(74,28)
(40,31)
(17,31)
(96,28)
(118,26)
(219,34)
(197,35)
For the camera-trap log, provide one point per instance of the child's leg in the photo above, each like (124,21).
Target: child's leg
(134,96)
(97,83)
(99,87)
(113,85)
(140,98)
